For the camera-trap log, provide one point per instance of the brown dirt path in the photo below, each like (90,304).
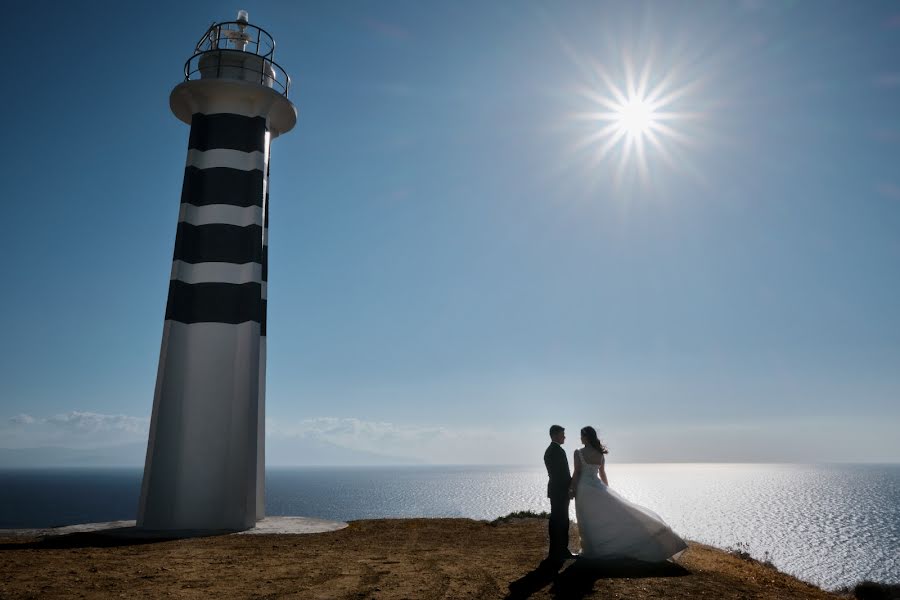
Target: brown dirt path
(379,559)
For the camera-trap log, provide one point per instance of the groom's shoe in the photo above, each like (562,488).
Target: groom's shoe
(566,555)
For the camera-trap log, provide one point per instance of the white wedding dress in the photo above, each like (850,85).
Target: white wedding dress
(612,528)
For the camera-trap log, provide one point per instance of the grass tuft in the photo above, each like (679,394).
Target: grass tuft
(520,514)
(870,590)
(742,551)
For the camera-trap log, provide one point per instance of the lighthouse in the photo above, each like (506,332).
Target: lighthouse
(205,465)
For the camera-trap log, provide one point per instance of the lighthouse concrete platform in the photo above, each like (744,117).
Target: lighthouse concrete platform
(127,530)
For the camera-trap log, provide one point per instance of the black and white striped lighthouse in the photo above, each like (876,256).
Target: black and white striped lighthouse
(205,464)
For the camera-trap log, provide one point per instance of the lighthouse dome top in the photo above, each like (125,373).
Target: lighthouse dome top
(237,50)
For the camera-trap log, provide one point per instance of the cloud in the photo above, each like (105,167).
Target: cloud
(886,135)
(353,429)
(121,439)
(75,429)
(753,6)
(89,422)
(386,30)
(888,80)
(396,89)
(424,443)
(22,419)
(328,438)
(889,190)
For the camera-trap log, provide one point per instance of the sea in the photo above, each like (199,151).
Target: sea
(831,525)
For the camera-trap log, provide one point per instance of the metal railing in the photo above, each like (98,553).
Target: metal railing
(230,39)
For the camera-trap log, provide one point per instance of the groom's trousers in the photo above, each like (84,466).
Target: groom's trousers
(559,525)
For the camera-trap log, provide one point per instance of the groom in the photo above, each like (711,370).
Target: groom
(558,491)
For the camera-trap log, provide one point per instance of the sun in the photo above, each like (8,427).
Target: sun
(636,117)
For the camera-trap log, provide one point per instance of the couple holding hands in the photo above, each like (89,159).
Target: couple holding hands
(611,527)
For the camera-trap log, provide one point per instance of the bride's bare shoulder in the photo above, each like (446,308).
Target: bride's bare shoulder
(592,456)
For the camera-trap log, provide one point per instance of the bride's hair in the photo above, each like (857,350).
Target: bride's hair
(593,441)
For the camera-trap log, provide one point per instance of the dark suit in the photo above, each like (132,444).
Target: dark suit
(558,491)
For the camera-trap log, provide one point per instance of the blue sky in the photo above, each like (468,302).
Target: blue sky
(452,266)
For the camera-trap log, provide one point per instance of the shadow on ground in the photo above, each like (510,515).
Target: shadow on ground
(108,538)
(577,580)
(869,590)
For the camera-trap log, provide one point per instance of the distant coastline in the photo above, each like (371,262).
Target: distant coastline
(125,456)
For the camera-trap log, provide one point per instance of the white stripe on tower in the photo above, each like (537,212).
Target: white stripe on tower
(225,157)
(221,213)
(216,272)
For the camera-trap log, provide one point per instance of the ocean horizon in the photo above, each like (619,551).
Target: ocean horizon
(832,525)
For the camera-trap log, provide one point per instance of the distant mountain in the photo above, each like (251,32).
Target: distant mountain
(125,455)
(279,452)
(315,452)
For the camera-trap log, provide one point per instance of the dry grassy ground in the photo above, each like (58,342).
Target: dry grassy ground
(385,559)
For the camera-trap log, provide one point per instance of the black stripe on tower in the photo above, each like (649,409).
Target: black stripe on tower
(263,312)
(214,302)
(219,243)
(265,263)
(222,185)
(226,130)
(265,268)
(268,172)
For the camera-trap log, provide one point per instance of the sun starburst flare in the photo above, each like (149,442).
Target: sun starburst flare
(636,119)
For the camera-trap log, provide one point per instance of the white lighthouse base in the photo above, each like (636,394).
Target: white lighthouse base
(128,530)
(200,472)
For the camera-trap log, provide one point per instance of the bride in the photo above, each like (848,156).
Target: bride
(611,527)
